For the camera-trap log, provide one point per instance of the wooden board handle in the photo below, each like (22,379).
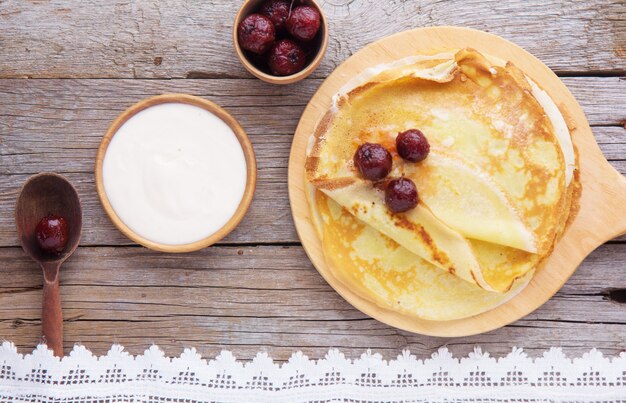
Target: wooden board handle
(615,203)
(51,313)
(621,216)
(602,215)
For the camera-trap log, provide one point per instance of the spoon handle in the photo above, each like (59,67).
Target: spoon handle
(51,313)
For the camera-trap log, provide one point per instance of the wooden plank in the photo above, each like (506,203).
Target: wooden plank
(63,109)
(268,220)
(261,108)
(185,38)
(271,298)
(602,99)
(56,125)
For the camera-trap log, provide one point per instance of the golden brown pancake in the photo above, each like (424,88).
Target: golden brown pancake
(380,270)
(494,189)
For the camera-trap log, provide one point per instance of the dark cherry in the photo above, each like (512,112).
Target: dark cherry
(400,195)
(412,145)
(52,234)
(286,58)
(277,11)
(373,161)
(303,23)
(256,33)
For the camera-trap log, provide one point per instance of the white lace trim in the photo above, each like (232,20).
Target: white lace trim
(121,377)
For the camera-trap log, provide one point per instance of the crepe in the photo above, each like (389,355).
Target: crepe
(496,191)
(496,187)
(380,270)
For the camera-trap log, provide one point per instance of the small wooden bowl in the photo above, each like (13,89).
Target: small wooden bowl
(247,8)
(250,171)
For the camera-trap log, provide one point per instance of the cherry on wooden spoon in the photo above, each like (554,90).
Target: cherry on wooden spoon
(49,196)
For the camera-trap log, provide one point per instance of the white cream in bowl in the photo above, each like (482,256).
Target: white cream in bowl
(174,173)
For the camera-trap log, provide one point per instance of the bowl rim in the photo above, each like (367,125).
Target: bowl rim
(218,111)
(308,70)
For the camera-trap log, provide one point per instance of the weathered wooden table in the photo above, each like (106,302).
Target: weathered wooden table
(68,68)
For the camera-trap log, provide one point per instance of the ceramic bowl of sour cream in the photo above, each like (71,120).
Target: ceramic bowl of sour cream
(175,173)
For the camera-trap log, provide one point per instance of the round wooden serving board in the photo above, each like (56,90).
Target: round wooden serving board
(602,214)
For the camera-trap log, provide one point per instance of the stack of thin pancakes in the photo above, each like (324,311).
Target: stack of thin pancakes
(495,192)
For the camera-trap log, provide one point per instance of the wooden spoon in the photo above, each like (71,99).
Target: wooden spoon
(41,195)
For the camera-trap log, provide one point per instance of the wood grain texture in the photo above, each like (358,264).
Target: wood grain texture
(186,38)
(271,298)
(57,125)
(244,297)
